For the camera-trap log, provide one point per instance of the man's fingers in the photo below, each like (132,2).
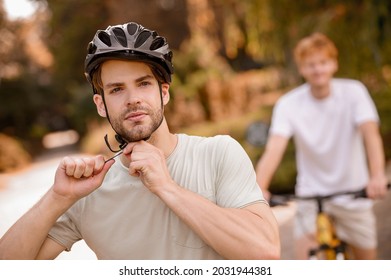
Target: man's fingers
(99,164)
(106,166)
(89,166)
(80,168)
(376,191)
(127,151)
(135,169)
(69,166)
(84,167)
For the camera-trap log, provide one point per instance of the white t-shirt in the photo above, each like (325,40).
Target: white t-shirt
(330,154)
(123,220)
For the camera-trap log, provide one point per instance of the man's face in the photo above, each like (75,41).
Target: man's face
(318,69)
(132,98)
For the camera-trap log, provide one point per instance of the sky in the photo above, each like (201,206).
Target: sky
(18,8)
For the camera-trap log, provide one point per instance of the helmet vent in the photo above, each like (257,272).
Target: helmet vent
(132,28)
(120,36)
(142,37)
(105,38)
(168,56)
(157,43)
(91,48)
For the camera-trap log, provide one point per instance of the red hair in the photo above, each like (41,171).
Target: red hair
(317,42)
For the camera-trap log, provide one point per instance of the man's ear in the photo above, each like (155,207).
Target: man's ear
(100,106)
(165,93)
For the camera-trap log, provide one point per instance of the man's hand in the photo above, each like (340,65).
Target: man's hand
(148,163)
(77,177)
(377,187)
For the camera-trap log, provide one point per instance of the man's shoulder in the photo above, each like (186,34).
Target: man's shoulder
(196,139)
(349,89)
(207,144)
(345,82)
(296,94)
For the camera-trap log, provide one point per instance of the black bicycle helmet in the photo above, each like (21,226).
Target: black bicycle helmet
(129,41)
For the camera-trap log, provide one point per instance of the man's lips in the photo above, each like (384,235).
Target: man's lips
(135,116)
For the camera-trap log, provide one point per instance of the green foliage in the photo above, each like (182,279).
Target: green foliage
(382,100)
(72,25)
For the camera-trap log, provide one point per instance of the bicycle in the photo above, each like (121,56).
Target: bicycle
(330,246)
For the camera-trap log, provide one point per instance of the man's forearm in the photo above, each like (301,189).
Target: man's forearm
(270,160)
(25,238)
(376,157)
(374,149)
(250,233)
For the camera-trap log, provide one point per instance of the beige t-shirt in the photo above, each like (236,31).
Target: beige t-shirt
(124,220)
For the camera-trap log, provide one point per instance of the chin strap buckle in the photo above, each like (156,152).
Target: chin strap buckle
(120,140)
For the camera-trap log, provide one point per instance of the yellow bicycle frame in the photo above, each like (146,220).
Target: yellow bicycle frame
(327,238)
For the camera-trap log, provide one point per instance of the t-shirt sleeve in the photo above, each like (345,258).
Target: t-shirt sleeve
(236,185)
(281,124)
(65,231)
(364,108)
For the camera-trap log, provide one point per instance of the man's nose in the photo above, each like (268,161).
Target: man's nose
(132,98)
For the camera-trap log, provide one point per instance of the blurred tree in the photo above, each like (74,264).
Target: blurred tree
(70,27)
(24,78)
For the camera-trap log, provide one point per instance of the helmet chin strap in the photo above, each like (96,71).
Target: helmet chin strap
(122,142)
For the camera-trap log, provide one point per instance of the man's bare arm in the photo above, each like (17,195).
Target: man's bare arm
(270,160)
(377,186)
(75,178)
(248,233)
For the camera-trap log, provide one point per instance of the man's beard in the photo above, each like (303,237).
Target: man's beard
(139,131)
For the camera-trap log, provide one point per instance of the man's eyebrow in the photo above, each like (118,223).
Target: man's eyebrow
(140,79)
(115,84)
(145,77)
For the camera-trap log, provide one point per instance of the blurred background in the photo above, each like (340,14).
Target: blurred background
(232,58)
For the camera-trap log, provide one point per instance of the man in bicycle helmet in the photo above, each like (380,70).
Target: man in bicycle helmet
(128,42)
(167,196)
(329,119)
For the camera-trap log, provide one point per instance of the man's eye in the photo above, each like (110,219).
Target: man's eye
(144,83)
(114,90)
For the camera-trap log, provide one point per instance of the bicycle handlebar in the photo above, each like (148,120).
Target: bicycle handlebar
(281,199)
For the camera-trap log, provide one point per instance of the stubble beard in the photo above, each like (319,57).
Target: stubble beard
(139,131)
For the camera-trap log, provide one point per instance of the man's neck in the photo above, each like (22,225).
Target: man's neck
(320,92)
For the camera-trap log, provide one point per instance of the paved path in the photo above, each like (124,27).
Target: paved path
(19,191)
